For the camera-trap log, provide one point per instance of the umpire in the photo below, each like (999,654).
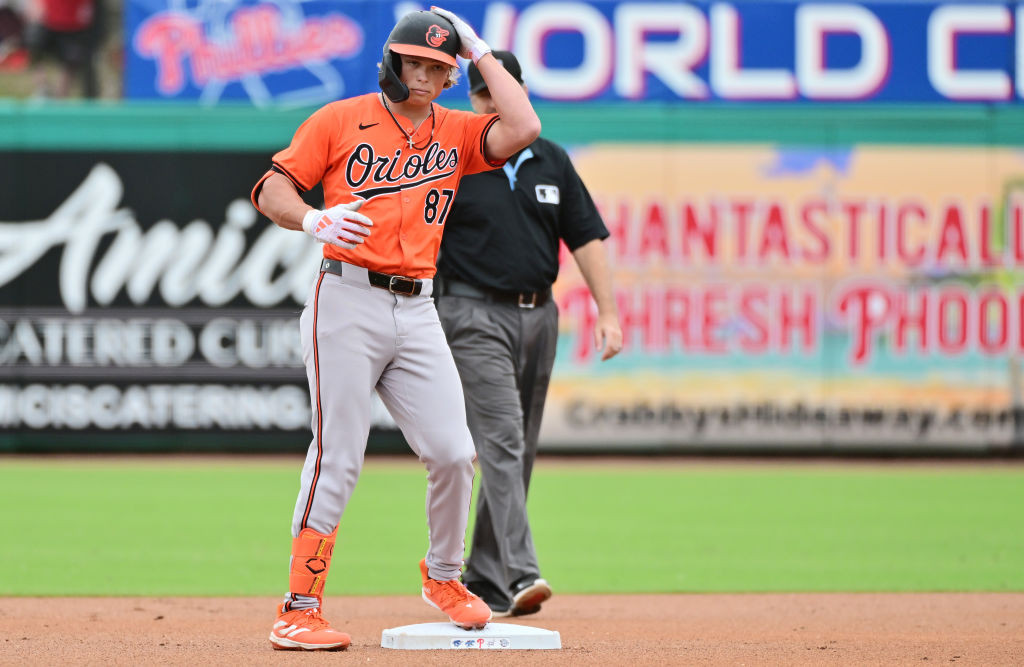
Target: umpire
(498,259)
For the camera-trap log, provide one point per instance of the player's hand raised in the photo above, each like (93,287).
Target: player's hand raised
(472,46)
(340,225)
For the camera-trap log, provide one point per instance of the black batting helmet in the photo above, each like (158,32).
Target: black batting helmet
(423,34)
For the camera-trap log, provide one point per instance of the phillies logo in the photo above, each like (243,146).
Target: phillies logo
(436,35)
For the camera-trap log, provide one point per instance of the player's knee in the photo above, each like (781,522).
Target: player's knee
(456,453)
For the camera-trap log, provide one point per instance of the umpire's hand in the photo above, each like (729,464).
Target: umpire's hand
(340,225)
(607,335)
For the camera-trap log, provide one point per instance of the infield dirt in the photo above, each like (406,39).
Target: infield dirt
(693,629)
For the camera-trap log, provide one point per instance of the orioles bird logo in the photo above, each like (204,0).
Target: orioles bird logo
(436,35)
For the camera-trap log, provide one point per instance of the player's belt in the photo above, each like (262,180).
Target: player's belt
(521,299)
(394,284)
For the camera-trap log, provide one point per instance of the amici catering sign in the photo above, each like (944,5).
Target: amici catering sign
(142,295)
(297,52)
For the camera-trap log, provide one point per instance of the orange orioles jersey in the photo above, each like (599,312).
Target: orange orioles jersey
(357,149)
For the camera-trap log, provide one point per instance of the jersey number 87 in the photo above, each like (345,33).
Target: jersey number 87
(430,214)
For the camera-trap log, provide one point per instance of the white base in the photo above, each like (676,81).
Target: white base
(450,636)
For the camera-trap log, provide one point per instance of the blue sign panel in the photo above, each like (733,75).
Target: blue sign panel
(282,53)
(295,52)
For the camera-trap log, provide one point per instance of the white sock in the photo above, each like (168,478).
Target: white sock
(296,601)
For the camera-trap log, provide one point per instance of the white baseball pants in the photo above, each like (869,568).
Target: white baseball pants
(357,338)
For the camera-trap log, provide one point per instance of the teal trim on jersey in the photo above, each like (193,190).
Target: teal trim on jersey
(187,127)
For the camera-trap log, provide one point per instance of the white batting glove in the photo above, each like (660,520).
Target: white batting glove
(472,46)
(339,225)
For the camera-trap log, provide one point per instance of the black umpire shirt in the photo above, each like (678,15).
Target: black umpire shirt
(503,230)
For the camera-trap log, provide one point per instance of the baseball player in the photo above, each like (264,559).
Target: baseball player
(498,260)
(390,164)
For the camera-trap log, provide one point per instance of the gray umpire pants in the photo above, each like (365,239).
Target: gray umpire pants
(504,354)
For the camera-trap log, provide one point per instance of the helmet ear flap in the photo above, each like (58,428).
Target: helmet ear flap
(395,61)
(389,77)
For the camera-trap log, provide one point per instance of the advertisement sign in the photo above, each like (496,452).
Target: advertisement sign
(141,293)
(778,295)
(784,296)
(281,53)
(291,53)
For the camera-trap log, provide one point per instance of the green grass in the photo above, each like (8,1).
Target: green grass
(220,527)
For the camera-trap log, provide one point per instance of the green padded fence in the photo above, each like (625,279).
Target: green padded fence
(185,127)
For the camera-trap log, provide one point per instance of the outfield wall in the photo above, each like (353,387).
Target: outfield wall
(790,279)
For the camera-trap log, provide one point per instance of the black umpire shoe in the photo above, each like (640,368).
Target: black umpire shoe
(499,604)
(528,595)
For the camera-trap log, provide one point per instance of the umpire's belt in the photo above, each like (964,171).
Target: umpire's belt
(521,299)
(393,284)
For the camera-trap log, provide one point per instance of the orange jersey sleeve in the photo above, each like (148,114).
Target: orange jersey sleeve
(477,127)
(361,151)
(305,159)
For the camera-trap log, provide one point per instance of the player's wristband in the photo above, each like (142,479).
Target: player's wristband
(309,220)
(479,50)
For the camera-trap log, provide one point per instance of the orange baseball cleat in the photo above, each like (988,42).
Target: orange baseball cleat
(463,608)
(306,630)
